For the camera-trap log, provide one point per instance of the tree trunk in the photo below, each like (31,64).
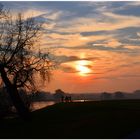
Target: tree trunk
(22,110)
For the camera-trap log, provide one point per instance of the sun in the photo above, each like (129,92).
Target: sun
(83,70)
(82,67)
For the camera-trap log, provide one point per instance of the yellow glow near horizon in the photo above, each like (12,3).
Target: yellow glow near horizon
(82,67)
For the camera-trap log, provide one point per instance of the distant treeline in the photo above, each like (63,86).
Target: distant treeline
(44,96)
(58,94)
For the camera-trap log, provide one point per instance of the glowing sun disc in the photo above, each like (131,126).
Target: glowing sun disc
(82,68)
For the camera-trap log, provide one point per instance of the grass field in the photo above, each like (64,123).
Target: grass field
(99,119)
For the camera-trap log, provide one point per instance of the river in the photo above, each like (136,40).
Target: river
(43,104)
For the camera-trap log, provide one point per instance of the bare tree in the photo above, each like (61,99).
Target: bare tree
(20,60)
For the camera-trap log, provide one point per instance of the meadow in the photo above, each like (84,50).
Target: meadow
(94,119)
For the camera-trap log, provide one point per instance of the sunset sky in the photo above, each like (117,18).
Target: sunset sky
(96,43)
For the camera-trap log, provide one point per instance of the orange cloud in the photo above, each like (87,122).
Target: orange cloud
(72,40)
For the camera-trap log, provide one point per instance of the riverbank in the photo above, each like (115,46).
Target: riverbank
(98,119)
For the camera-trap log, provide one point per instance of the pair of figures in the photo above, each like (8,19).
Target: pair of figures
(66,99)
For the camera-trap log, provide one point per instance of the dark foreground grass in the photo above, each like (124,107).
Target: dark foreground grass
(100,119)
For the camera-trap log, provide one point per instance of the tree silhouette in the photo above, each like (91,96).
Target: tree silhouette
(59,94)
(106,96)
(119,95)
(20,59)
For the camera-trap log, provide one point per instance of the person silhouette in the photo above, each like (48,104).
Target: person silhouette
(69,98)
(66,99)
(62,98)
